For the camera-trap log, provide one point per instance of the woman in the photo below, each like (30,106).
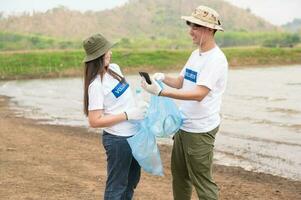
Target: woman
(109,104)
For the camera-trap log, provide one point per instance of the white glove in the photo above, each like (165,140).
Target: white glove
(138,112)
(153,88)
(159,76)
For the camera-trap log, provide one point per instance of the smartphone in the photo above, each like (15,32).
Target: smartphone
(146,76)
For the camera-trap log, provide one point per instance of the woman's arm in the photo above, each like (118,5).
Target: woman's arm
(98,120)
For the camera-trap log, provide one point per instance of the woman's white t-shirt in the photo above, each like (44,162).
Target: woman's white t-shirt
(207,69)
(112,97)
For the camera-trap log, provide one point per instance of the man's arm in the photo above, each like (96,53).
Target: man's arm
(174,82)
(196,94)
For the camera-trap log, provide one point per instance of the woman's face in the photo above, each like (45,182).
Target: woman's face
(107,58)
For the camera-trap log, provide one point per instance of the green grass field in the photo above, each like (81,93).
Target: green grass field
(10,41)
(40,64)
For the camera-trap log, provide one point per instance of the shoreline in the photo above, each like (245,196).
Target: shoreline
(77,73)
(60,162)
(54,64)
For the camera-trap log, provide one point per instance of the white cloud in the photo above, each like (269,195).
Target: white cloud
(277,12)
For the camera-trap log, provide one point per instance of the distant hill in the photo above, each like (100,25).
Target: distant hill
(294,26)
(17,41)
(137,18)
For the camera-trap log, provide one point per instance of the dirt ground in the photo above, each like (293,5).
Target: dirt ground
(60,162)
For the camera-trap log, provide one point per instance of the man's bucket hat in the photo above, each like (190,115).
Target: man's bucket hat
(95,46)
(205,16)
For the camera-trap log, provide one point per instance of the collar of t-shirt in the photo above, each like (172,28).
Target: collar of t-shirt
(201,53)
(110,84)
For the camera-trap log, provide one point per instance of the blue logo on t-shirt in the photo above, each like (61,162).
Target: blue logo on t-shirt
(191,75)
(120,89)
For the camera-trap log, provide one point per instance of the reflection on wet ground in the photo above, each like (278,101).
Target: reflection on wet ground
(261,128)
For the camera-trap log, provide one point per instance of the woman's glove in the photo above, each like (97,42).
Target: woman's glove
(159,76)
(137,113)
(153,88)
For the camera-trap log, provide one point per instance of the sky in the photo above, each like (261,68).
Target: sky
(277,12)
(17,6)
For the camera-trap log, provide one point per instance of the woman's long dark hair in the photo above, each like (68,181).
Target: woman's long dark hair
(91,70)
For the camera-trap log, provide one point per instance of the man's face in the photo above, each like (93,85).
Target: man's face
(198,33)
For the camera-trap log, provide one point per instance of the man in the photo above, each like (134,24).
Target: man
(200,86)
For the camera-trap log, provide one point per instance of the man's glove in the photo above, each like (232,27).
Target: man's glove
(159,76)
(153,88)
(137,113)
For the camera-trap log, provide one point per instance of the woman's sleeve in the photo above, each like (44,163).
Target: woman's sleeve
(96,96)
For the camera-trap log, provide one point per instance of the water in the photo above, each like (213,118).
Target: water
(260,131)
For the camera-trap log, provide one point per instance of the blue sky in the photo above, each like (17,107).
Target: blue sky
(275,11)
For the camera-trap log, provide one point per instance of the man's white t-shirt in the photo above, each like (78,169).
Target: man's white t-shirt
(112,97)
(208,69)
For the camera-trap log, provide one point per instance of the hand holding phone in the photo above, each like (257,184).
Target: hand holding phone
(146,77)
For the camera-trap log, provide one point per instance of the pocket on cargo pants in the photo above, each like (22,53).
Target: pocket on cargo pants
(200,158)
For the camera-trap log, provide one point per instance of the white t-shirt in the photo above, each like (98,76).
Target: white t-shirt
(113,98)
(208,69)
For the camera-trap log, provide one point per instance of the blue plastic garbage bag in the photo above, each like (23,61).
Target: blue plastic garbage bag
(163,119)
(145,150)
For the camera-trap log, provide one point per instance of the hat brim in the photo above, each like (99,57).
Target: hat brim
(98,53)
(202,23)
